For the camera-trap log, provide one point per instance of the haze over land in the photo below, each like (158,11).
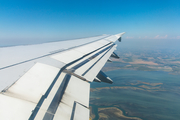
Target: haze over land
(146,78)
(160,55)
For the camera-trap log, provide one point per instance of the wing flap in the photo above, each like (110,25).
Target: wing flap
(81,112)
(15,109)
(90,66)
(86,66)
(43,108)
(33,84)
(77,90)
(94,70)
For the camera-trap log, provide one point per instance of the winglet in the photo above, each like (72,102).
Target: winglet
(119,36)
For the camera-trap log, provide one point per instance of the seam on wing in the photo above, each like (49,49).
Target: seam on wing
(48,54)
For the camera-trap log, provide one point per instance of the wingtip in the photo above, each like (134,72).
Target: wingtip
(120,34)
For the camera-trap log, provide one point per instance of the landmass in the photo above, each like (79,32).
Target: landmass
(92,116)
(113,113)
(146,61)
(140,82)
(145,86)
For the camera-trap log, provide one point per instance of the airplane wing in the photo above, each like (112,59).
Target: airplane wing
(51,81)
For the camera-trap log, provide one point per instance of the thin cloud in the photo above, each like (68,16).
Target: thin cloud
(145,37)
(129,37)
(178,37)
(156,37)
(160,37)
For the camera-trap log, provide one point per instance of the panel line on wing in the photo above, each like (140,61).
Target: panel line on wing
(35,111)
(90,58)
(57,99)
(61,50)
(96,61)
(50,53)
(73,110)
(72,73)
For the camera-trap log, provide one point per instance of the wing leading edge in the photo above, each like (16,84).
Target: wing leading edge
(55,84)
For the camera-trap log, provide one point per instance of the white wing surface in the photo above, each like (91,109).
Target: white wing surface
(51,81)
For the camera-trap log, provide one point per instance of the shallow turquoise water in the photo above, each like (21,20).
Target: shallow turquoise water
(154,105)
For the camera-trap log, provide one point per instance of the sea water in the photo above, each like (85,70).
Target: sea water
(162,103)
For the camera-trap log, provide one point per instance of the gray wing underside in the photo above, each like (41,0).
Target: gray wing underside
(51,81)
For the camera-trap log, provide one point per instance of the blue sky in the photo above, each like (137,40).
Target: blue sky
(43,20)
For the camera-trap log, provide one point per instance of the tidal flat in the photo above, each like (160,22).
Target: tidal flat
(146,95)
